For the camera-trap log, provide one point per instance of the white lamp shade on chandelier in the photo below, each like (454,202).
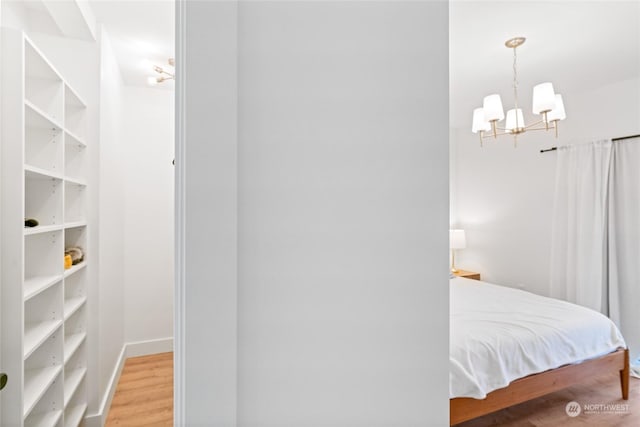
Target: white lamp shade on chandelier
(492,107)
(457,239)
(545,102)
(479,123)
(558,112)
(514,121)
(544,98)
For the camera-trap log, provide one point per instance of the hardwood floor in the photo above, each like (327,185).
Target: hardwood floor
(144,396)
(549,410)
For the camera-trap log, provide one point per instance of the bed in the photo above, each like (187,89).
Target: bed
(508,346)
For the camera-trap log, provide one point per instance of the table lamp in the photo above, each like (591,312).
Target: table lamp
(457,240)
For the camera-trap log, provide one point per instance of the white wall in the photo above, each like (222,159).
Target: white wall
(111,203)
(504,196)
(147,173)
(342,211)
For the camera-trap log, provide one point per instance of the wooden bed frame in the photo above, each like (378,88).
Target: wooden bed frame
(533,386)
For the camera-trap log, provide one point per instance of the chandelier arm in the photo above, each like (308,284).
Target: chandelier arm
(542,128)
(497,134)
(534,124)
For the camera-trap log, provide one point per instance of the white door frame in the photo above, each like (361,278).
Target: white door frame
(206,203)
(179,287)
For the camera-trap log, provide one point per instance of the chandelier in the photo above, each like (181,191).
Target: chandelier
(162,74)
(545,102)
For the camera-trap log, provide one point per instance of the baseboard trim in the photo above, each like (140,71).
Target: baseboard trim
(145,348)
(98,419)
(130,349)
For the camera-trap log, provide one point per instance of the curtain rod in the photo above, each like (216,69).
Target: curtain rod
(613,139)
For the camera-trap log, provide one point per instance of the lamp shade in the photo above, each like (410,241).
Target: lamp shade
(479,124)
(544,98)
(514,121)
(457,239)
(492,107)
(558,112)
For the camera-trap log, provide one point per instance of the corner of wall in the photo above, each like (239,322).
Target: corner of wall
(99,418)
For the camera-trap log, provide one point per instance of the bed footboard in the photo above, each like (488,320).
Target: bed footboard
(527,388)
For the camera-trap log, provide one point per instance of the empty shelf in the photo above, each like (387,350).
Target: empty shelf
(71,382)
(36,333)
(73,417)
(36,383)
(71,344)
(45,419)
(34,285)
(72,305)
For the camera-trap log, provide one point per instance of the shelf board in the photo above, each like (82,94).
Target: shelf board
(36,383)
(35,118)
(28,231)
(71,382)
(75,224)
(72,343)
(73,418)
(76,181)
(36,333)
(75,268)
(72,138)
(34,285)
(45,419)
(34,172)
(72,305)
(39,66)
(72,97)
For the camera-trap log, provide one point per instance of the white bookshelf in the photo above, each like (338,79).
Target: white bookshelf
(45,419)
(37,284)
(71,343)
(45,173)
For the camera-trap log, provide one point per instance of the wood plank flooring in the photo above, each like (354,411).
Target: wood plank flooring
(144,396)
(549,410)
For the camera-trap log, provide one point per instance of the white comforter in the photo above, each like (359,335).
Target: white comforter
(499,334)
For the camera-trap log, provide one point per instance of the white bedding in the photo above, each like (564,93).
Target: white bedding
(500,334)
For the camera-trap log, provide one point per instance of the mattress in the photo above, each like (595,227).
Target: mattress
(499,334)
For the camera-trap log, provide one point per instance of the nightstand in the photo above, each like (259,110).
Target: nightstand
(468,274)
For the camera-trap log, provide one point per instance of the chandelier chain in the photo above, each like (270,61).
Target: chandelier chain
(515,79)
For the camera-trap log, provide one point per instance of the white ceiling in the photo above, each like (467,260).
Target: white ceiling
(577,45)
(139,30)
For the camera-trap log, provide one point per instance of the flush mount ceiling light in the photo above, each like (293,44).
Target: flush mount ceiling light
(545,102)
(162,74)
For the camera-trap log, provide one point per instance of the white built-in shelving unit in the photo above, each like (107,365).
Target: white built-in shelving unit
(44,305)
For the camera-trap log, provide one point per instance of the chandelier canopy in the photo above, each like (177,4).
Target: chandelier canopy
(545,102)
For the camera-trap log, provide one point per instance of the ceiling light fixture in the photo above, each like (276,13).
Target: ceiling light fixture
(545,102)
(162,74)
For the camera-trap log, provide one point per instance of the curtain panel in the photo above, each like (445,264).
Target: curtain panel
(596,233)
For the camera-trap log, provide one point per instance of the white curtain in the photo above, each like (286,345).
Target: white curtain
(578,255)
(624,244)
(595,256)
